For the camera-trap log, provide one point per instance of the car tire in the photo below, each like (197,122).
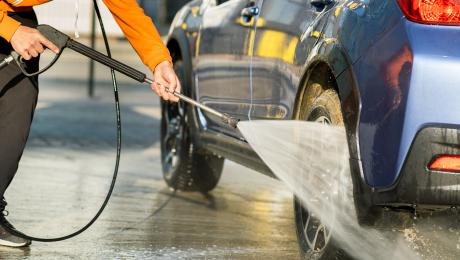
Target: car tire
(185,166)
(323,107)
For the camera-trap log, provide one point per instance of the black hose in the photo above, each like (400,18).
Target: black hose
(117,162)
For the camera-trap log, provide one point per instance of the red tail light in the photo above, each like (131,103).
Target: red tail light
(445,163)
(444,12)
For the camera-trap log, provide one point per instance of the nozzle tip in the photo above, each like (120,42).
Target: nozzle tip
(230,121)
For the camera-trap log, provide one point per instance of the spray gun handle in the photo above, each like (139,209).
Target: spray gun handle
(59,39)
(53,35)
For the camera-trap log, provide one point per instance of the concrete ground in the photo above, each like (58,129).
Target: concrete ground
(67,167)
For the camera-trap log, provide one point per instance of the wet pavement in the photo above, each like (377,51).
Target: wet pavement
(67,167)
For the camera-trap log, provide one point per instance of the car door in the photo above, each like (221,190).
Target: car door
(222,61)
(282,31)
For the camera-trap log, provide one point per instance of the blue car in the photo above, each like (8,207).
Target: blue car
(388,70)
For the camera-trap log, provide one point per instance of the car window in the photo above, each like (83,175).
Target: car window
(221,1)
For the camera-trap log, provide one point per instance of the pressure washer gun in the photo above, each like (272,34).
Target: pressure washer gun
(63,41)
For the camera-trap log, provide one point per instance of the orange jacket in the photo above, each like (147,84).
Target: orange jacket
(137,27)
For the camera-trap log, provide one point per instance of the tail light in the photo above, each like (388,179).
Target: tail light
(445,163)
(443,12)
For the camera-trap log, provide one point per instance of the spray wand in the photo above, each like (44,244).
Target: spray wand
(226,119)
(63,41)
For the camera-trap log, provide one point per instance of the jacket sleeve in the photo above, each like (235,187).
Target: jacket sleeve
(8,26)
(140,31)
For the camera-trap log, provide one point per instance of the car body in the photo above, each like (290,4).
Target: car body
(396,80)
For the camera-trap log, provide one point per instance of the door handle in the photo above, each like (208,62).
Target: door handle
(249,12)
(320,4)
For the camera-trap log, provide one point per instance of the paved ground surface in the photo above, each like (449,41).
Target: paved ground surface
(67,167)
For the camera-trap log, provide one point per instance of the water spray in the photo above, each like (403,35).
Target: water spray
(314,165)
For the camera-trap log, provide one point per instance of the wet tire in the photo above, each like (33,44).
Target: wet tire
(185,167)
(323,106)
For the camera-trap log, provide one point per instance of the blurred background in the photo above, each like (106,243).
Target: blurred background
(62,15)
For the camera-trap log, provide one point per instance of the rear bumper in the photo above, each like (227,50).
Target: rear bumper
(408,81)
(418,185)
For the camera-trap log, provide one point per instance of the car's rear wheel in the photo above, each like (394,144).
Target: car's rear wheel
(185,167)
(316,240)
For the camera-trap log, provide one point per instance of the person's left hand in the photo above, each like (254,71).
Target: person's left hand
(165,76)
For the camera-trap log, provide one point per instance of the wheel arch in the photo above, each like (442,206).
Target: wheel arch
(328,64)
(178,46)
(323,72)
(317,72)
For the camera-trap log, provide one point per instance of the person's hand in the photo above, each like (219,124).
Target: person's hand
(165,77)
(29,42)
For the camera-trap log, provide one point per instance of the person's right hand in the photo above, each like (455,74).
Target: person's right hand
(29,42)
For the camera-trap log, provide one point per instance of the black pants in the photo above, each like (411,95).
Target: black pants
(18,98)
